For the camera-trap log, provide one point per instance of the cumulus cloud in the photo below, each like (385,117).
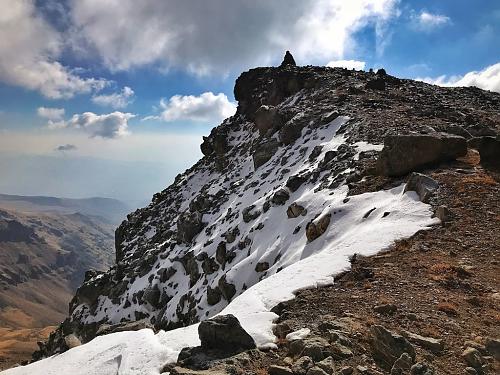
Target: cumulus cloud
(29,47)
(219,35)
(111,125)
(349,64)
(486,79)
(66,147)
(206,107)
(116,100)
(426,21)
(54,114)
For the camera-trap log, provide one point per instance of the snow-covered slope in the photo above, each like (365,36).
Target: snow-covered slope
(268,211)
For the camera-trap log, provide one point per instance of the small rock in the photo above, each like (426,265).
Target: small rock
(282,329)
(294,182)
(386,309)
(302,365)
(316,371)
(470,371)
(339,351)
(387,347)
(472,357)
(402,365)
(327,365)
(72,341)
(279,370)
(443,213)
(295,210)
(493,347)
(423,185)
(346,370)
(280,197)
(429,343)
(421,368)
(224,332)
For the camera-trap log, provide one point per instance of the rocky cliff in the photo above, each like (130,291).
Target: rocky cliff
(263,196)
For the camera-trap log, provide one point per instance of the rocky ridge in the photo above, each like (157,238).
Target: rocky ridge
(296,129)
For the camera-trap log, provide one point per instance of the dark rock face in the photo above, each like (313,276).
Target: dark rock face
(407,153)
(423,185)
(224,332)
(14,231)
(267,118)
(189,224)
(387,347)
(264,153)
(288,60)
(489,151)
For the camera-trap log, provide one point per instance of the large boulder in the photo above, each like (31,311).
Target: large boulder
(407,153)
(387,347)
(264,152)
(316,228)
(189,224)
(288,60)
(224,332)
(489,150)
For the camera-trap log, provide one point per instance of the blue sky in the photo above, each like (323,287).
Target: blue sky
(138,83)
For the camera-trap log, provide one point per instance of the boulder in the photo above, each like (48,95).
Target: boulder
(317,227)
(249,214)
(213,295)
(473,357)
(423,185)
(280,197)
(429,343)
(279,370)
(152,296)
(295,210)
(489,151)
(421,368)
(72,341)
(261,267)
(227,290)
(264,152)
(407,153)
(493,347)
(302,365)
(267,118)
(387,347)
(294,182)
(189,224)
(291,131)
(106,329)
(224,332)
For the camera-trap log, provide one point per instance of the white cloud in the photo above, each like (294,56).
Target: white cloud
(54,114)
(204,108)
(116,100)
(111,125)
(219,35)
(349,64)
(426,21)
(486,79)
(29,47)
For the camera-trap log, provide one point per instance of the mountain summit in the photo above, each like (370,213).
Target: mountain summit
(306,178)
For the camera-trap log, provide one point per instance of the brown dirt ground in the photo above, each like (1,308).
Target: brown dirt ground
(444,281)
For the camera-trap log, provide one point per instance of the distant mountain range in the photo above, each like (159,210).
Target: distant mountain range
(46,245)
(111,210)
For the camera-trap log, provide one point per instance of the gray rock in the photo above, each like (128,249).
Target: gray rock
(249,214)
(346,370)
(421,368)
(493,347)
(189,224)
(443,213)
(315,347)
(302,365)
(72,341)
(261,266)
(224,332)
(213,295)
(429,343)
(264,152)
(340,351)
(387,347)
(282,329)
(296,347)
(280,197)
(402,365)
(423,185)
(279,370)
(386,309)
(327,365)
(473,357)
(407,153)
(294,182)
(316,370)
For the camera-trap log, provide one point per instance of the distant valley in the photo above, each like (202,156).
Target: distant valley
(46,245)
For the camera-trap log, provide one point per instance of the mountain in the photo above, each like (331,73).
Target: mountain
(111,210)
(313,176)
(46,246)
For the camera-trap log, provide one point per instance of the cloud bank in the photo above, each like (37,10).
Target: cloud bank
(54,114)
(486,79)
(112,125)
(203,37)
(29,47)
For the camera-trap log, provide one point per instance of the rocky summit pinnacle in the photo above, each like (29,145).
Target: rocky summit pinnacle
(288,60)
(278,182)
